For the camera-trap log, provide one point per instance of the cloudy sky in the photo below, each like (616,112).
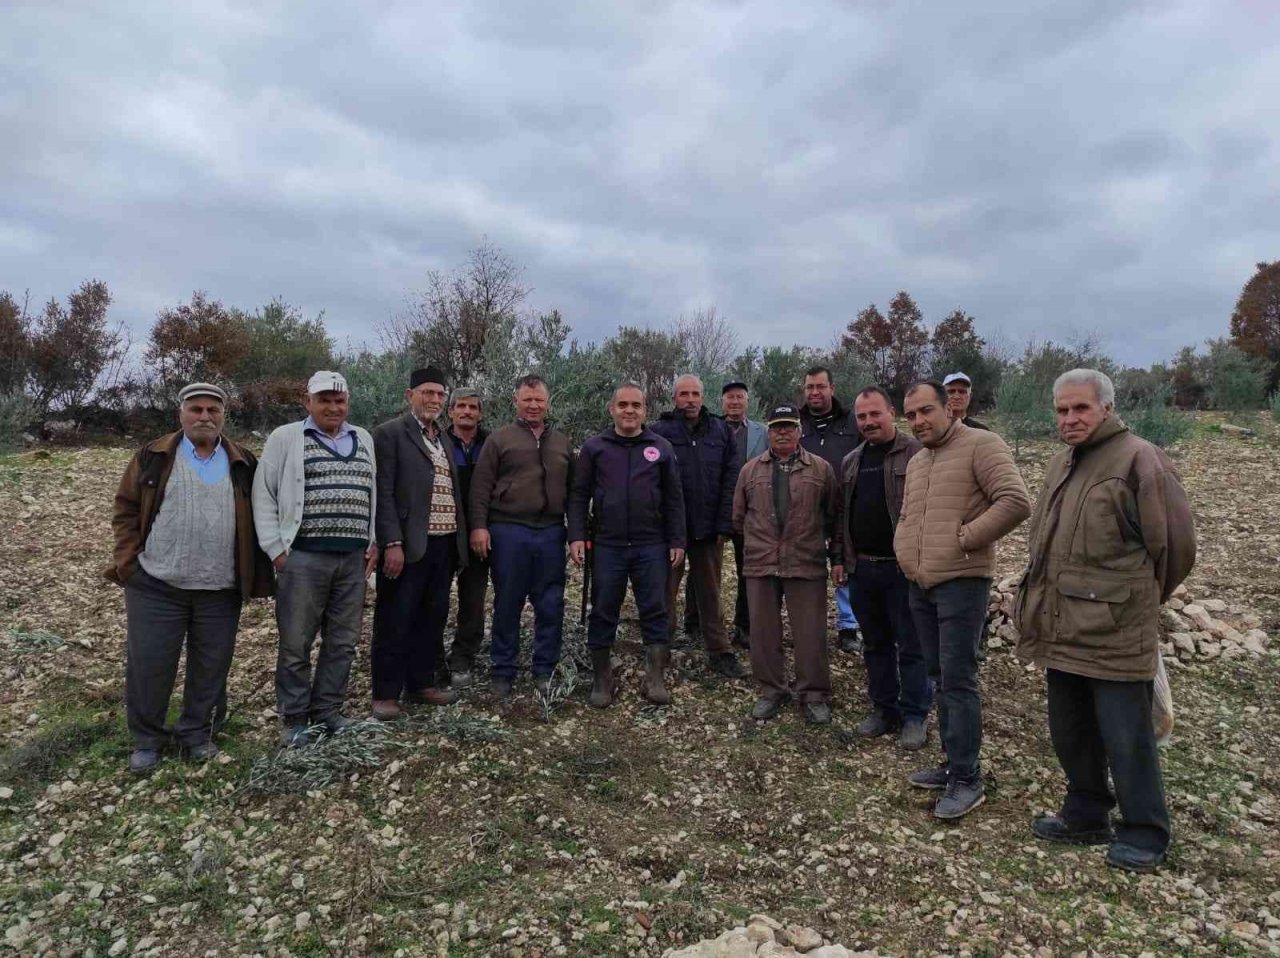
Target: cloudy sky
(1050,167)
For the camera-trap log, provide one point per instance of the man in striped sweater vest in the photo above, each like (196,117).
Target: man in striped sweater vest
(314,499)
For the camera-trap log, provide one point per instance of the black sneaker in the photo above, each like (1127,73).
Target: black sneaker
(934,779)
(143,761)
(850,641)
(726,664)
(817,713)
(915,732)
(876,724)
(1054,828)
(500,686)
(766,708)
(1130,858)
(961,798)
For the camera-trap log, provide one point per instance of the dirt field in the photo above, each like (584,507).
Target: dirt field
(551,829)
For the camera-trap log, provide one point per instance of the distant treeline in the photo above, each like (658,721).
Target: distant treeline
(70,363)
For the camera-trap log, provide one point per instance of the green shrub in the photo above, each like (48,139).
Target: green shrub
(1157,421)
(1275,405)
(1024,408)
(16,414)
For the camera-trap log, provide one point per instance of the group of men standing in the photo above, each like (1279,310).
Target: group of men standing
(905,525)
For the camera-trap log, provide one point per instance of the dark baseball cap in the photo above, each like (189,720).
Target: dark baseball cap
(784,415)
(736,384)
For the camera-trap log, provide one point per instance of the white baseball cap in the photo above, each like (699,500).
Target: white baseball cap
(951,378)
(326,381)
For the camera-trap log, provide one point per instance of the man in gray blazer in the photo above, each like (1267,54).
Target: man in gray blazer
(421,525)
(753,440)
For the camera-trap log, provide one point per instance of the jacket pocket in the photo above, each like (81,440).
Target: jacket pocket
(1089,607)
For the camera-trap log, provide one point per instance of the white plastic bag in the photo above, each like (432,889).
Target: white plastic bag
(1162,706)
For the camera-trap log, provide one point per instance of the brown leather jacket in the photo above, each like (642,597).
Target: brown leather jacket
(799,550)
(1111,538)
(904,447)
(138,501)
(962,495)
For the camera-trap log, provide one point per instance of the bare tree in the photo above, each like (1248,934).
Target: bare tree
(448,323)
(710,341)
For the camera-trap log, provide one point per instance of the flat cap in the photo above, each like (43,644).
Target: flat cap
(191,390)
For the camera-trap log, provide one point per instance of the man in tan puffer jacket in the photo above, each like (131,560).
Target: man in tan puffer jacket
(963,494)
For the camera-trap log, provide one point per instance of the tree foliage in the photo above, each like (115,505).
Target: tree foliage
(283,345)
(651,358)
(1255,323)
(710,344)
(199,341)
(894,346)
(15,344)
(72,348)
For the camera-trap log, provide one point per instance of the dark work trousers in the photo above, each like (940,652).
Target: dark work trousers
(1095,725)
(646,568)
(161,620)
(806,601)
(317,592)
(409,619)
(897,679)
(473,582)
(741,615)
(528,566)
(705,561)
(948,621)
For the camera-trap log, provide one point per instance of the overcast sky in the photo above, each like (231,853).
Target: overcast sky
(1047,166)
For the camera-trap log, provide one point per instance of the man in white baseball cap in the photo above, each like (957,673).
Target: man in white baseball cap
(959,389)
(314,496)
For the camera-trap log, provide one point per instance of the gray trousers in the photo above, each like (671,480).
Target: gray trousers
(317,592)
(161,620)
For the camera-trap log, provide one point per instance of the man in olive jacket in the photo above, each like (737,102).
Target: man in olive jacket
(963,493)
(1111,538)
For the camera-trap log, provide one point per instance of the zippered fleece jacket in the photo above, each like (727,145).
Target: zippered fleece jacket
(962,495)
(522,478)
(630,486)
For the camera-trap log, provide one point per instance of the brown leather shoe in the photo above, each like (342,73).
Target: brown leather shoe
(387,710)
(433,696)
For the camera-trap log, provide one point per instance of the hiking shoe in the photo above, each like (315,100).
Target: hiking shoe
(915,732)
(1130,858)
(143,761)
(726,664)
(934,779)
(200,753)
(765,708)
(462,679)
(295,736)
(876,724)
(386,710)
(1054,828)
(542,685)
(500,686)
(960,799)
(432,696)
(850,641)
(816,713)
(335,724)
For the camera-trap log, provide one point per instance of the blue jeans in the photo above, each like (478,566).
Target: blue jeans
(526,564)
(897,679)
(845,619)
(646,567)
(949,619)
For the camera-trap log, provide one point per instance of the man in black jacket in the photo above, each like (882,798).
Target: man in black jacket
(468,436)
(828,431)
(421,525)
(627,483)
(706,451)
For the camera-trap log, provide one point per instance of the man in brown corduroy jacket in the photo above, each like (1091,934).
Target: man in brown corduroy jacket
(1111,539)
(963,493)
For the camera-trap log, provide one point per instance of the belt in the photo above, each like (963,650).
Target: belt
(865,558)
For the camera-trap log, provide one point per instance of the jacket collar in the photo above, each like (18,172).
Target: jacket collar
(954,431)
(1108,429)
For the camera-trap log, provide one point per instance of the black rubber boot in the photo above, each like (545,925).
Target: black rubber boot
(602,687)
(654,686)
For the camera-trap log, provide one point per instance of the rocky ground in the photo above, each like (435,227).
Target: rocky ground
(547,828)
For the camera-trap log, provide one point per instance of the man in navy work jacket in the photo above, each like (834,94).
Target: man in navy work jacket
(628,482)
(706,451)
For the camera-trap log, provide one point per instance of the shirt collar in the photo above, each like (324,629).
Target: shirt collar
(345,429)
(189,448)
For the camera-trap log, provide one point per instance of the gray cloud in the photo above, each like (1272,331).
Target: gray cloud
(1048,168)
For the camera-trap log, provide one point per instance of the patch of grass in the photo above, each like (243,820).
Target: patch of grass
(30,767)
(36,640)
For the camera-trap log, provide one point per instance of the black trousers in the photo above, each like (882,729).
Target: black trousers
(409,620)
(473,582)
(1098,725)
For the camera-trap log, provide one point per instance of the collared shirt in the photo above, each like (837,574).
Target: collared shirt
(335,443)
(212,470)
